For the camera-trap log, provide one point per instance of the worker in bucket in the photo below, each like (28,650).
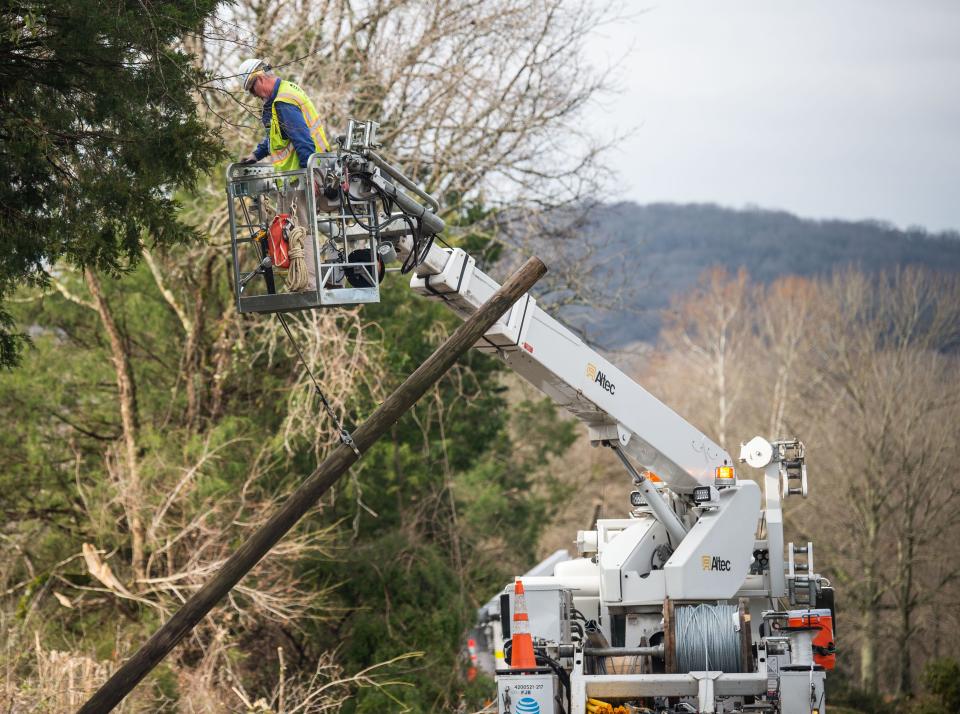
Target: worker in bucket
(293,133)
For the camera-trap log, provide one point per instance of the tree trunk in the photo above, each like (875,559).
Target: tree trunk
(906,555)
(131,493)
(868,654)
(905,686)
(194,354)
(868,613)
(192,364)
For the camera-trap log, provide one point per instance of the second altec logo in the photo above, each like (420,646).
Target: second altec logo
(714,563)
(600,378)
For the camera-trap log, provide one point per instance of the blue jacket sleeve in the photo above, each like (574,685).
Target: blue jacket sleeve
(263,148)
(294,127)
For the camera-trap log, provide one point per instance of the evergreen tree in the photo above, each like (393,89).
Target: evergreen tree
(98,125)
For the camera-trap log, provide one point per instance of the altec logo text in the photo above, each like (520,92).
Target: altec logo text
(600,378)
(714,563)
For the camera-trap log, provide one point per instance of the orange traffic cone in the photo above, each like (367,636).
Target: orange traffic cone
(522,656)
(472,650)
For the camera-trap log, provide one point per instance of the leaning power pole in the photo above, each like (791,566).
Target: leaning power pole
(303,499)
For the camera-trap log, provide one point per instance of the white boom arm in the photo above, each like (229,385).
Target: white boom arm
(549,356)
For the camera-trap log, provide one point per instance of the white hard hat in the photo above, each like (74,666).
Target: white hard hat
(248,68)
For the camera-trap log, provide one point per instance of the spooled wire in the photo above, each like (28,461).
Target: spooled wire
(707,638)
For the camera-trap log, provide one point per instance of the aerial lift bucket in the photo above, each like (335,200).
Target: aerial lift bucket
(341,229)
(357,214)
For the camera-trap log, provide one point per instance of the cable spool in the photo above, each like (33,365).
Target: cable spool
(706,638)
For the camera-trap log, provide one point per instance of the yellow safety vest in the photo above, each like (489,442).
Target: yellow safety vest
(282,152)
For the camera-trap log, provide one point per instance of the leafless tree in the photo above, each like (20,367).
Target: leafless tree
(888,391)
(706,339)
(863,369)
(480,102)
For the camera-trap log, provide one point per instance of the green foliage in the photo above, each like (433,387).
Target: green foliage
(61,425)
(459,487)
(844,698)
(941,680)
(98,126)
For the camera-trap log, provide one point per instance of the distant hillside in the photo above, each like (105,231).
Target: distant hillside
(668,246)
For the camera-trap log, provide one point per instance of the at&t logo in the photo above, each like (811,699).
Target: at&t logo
(528,705)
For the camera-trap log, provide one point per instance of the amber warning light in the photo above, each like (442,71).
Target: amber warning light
(724,476)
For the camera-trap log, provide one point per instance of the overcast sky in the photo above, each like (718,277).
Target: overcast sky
(825,108)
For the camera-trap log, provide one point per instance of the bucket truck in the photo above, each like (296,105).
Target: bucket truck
(690,602)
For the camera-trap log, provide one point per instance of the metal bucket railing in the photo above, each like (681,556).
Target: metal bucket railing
(341,230)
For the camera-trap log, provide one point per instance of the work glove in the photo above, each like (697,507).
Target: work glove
(248,159)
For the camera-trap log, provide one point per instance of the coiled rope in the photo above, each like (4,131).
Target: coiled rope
(296,279)
(707,638)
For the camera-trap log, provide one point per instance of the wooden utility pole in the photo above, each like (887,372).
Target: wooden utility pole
(304,498)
